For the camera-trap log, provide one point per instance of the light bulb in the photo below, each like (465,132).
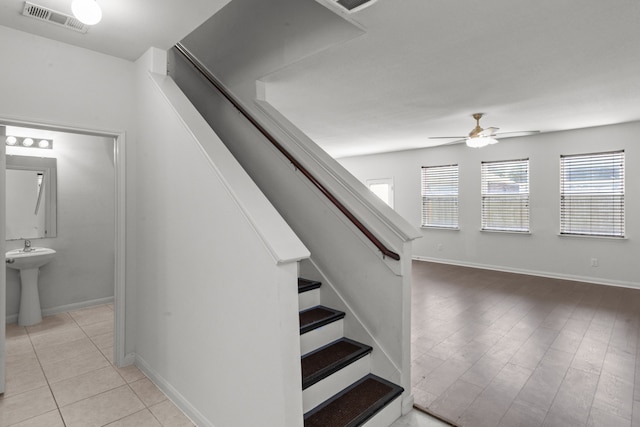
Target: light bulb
(476,142)
(43,143)
(12,140)
(27,142)
(87,11)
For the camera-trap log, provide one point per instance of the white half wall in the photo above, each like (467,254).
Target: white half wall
(216,310)
(543,252)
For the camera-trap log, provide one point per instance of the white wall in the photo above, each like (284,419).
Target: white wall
(83,267)
(543,252)
(52,83)
(216,308)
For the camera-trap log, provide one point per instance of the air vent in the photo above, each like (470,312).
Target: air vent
(354,5)
(53,17)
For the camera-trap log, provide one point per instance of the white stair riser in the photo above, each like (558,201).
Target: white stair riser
(309,299)
(323,390)
(387,415)
(321,336)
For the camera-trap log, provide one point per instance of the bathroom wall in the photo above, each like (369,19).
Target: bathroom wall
(82,271)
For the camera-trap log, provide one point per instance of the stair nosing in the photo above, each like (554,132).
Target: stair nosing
(308,285)
(335,316)
(334,367)
(376,407)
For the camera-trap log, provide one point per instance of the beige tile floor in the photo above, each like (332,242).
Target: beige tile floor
(501,349)
(60,373)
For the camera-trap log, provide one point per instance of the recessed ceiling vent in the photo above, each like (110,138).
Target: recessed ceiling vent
(355,5)
(53,17)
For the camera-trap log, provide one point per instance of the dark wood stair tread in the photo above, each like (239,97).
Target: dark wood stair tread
(318,316)
(326,360)
(354,405)
(305,285)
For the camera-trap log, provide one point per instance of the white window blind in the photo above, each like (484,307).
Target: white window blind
(592,194)
(505,195)
(440,196)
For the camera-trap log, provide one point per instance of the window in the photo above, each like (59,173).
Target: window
(505,195)
(382,188)
(592,194)
(440,196)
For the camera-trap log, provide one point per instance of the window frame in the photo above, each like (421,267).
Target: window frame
(452,214)
(390,187)
(617,223)
(507,200)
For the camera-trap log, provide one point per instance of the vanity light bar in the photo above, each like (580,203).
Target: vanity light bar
(19,141)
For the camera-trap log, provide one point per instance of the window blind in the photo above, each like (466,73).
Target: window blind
(592,194)
(440,196)
(505,195)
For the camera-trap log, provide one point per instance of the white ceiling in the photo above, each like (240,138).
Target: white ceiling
(421,68)
(128,27)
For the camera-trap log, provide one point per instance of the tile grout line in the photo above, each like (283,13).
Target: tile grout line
(46,378)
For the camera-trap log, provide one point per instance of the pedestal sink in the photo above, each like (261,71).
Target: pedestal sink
(29,263)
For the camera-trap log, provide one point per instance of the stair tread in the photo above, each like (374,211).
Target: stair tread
(354,405)
(318,316)
(330,358)
(305,285)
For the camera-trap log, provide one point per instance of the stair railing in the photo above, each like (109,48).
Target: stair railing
(386,252)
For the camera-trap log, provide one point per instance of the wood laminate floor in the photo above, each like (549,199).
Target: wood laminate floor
(502,349)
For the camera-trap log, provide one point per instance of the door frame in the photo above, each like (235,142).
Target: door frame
(119,160)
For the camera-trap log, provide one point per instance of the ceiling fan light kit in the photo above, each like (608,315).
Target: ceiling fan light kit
(480,141)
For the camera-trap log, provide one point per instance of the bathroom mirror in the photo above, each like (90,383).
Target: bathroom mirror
(31,197)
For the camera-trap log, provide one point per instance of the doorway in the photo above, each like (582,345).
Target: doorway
(114,142)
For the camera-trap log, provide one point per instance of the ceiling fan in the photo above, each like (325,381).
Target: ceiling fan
(479,137)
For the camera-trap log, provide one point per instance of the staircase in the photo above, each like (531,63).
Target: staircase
(338,388)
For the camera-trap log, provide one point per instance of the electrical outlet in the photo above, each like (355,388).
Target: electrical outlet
(594,262)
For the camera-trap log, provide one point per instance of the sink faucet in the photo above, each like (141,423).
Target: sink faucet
(27,246)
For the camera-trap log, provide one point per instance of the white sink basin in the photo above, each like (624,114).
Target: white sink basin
(29,264)
(18,259)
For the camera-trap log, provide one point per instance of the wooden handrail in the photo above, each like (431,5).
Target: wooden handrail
(220,87)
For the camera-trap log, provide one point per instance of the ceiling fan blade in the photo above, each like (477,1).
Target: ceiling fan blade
(488,132)
(517,133)
(446,137)
(458,141)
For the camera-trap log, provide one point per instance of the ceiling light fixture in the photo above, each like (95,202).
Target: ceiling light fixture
(87,11)
(480,141)
(21,141)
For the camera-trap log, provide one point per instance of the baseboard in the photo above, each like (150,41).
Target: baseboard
(13,318)
(178,399)
(129,359)
(551,275)
(407,404)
